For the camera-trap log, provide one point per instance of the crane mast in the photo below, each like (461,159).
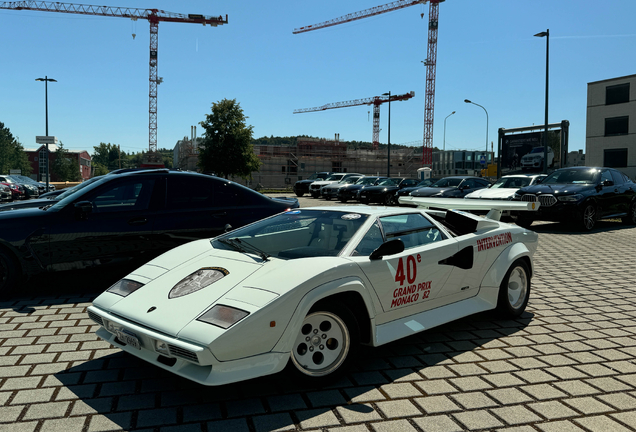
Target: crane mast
(154,16)
(376,101)
(431,60)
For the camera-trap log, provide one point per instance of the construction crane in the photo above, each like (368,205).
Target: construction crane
(154,17)
(430,63)
(376,101)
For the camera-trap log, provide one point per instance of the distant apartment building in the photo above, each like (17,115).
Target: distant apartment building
(37,159)
(610,136)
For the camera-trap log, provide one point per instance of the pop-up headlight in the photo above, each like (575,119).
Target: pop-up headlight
(125,287)
(223,316)
(197,280)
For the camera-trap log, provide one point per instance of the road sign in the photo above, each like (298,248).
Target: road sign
(482,159)
(46,139)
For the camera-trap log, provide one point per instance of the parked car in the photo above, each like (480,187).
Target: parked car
(17,191)
(303,289)
(452,187)
(28,190)
(406,191)
(125,220)
(580,196)
(315,189)
(48,200)
(534,159)
(28,180)
(331,191)
(55,193)
(301,187)
(350,192)
(5,193)
(506,186)
(384,191)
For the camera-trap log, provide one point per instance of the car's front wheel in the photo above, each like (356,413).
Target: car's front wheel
(325,343)
(630,218)
(587,217)
(524,221)
(299,194)
(514,291)
(388,200)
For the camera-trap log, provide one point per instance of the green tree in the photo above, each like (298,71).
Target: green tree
(108,155)
(64,166)
(227,149)
(12,155)
(98,169)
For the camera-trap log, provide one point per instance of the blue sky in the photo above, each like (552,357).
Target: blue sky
(486,53)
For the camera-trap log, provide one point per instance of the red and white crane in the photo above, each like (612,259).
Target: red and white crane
(154,17)
(430,63)
(376,101)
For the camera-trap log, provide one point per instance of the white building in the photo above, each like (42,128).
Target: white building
(610,136)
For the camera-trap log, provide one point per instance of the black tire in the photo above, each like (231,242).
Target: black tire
(524,221)
(299,194)
(364,201)
(9,274)
(514,291)
(630,218)
(314,195)
(343,200)
(587,217)
(326,343)
(388,200)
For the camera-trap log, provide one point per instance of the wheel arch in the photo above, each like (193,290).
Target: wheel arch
(500,267)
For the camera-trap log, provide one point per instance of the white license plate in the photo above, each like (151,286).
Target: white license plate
(128,338)
(363,196)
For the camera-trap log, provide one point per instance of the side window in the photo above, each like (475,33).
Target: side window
(370,242)
(129,196)
(413,229)
(228,195)
(468,184)
(618,178)
(605,176)
(189,192)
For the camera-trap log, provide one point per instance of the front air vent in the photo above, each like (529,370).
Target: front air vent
(183,353)
(92,315)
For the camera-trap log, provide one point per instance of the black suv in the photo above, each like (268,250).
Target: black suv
(581,195)
(301,187)
(123,221)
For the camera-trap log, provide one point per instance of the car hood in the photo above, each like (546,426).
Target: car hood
(290,201)
(489,193)
(371,189)
(429,191)
(249,280)
(558,188)
(33,203)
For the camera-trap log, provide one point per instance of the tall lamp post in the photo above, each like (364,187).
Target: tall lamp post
(547,75)
(388,167)
(467,101)
(445,128)
(46,80)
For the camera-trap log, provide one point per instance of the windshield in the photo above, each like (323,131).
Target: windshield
(335,177)
(511,182)
(316,176)
(447,182)
(74,189)
(86,186)
(296,234)
(537,150)
(388,182)
(572,176)
(350,180)
(367,181)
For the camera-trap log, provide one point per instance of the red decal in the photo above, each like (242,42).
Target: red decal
(494,241)
(399,275)
(410,264)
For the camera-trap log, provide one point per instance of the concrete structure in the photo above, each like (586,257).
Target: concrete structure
(575,158)
(186,154)
(610,136)
(37,159)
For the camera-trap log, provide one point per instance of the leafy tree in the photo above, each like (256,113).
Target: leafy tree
(64,166)
(98,169)
(12,155)
(108,155)
(227,149)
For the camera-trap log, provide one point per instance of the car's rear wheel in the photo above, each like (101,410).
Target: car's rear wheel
(514,291)
(325,343)
(630,218)
(9,274)
(587,217)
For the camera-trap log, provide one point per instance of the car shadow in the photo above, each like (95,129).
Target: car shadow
(563,228)
(128,393)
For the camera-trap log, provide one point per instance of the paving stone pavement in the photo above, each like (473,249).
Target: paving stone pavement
(567,365)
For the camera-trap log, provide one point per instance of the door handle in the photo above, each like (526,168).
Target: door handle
(138,221)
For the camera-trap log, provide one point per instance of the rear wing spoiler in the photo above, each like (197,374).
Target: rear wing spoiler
(494,207)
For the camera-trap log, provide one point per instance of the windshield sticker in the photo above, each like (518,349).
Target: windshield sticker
(494,241)
(351,216)
(292,212)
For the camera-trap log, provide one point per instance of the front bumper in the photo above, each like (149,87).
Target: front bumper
(186,359)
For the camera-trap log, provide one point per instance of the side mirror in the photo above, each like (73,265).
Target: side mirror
(391,247)
(227,228)
(83,209)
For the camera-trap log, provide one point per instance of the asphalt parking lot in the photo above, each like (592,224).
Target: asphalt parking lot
(568,364)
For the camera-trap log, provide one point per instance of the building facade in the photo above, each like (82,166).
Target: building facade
(459,162)
(37,159)
(610,134)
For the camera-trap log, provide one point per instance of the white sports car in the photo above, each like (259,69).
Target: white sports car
(302,289)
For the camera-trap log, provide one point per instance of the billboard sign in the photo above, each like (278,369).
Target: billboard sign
(515,146)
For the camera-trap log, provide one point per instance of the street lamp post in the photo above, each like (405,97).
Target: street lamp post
(547,75)
(388,167)
(467,101)
(46,80)
(445,128)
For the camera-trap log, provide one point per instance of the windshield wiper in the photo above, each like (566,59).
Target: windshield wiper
(244,247)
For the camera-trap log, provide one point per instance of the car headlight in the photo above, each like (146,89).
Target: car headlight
(125,287)
(571,198)
(198,280)
(223,316)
